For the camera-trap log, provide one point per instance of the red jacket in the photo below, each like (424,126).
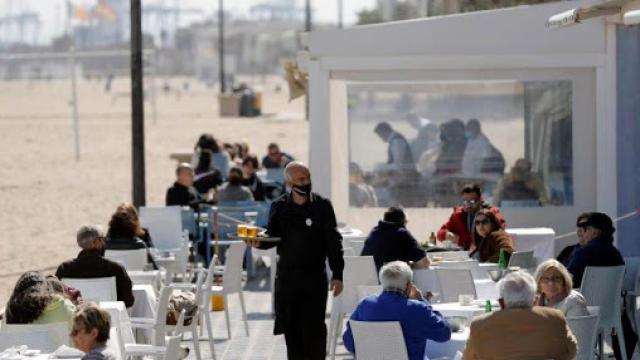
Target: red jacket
(456,225)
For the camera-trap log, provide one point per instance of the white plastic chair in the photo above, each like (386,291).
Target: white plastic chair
(57,333)
(368,290)
(358,270)
(378,340)
(97,289)
(132,260)
(455,282)
(231,283)
(35,339)
(585,329)
(522,259)
(602,286)
(357,244)
(169,351)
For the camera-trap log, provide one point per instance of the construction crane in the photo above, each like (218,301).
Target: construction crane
(166,18)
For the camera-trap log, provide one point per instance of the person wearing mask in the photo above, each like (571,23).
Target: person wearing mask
(460,227)
(401,301)
(306,224)
(233,190)
(33,301)
(91,263)
(250,179)
(555,290)
(182,192)
(390,240)
(490,238)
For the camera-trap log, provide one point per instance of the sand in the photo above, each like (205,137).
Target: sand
(45,194)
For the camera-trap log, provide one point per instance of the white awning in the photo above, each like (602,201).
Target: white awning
(629,11)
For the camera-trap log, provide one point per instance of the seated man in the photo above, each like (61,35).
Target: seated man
(520,330)
(233,190)
(391,241)
(595,246)
(90,263)
(460,226)
(182,192)
(401,301)
(275,158)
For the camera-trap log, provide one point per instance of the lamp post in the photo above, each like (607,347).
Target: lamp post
(223,82)
(137,106)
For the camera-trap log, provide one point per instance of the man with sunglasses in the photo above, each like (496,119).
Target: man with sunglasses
(460,226)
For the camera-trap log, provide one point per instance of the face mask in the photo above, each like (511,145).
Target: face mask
(303,190)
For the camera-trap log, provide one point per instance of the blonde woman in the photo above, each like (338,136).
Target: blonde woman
(555,289)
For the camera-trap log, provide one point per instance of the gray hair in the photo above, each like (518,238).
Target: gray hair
(395,275)
(87,234)
(518,290)
(291,165)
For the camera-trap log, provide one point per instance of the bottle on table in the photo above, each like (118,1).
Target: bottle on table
(487,306)
(432,239)
(502,261)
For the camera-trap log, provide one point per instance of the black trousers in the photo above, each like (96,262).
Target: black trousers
(300,314)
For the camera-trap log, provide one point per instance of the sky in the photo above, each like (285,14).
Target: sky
(52,12)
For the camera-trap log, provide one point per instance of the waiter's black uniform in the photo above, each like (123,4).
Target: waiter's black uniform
(309,236)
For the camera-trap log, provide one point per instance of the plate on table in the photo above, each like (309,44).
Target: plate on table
(234,236)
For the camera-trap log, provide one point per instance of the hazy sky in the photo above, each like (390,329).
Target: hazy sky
(52,12)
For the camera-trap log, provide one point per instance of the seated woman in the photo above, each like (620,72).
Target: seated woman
(33,302)
(122,235)
(555,289)
(490,237)
(90,332)
(141,232)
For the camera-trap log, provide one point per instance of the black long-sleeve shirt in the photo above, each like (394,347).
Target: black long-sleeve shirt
(309,235)
(181,195)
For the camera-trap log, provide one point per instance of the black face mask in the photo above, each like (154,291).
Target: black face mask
(303,190)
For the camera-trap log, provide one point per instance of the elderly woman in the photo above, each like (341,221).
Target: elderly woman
(90,332)
(555,289)
(490,237)
(34,302)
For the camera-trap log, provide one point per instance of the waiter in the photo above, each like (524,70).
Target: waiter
(306,224)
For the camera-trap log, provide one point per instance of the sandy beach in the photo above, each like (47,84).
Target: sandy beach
(45,194)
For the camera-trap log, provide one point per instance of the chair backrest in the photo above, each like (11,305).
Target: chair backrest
(275,174)
(57,333)
(173,342)
(358,270)
(368,290)
(348,251)
(455,282)
(188,220)
(232,278)
(458,264)
(357,244)
(35,339)
(602,286)
(99,289)
(585,329)
(378,340)
(522,259)
(631,274)
(132,260)
(164,225)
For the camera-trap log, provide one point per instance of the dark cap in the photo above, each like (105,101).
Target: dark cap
(597,220)
(395,215)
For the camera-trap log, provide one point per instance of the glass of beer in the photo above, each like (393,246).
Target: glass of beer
(242,230)
(252,231)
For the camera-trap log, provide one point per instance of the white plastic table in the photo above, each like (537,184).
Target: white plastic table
(447,349)
(540,240)
(426,280)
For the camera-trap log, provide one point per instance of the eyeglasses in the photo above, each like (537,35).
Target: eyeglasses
(550,279)
(469,202)
(482,222)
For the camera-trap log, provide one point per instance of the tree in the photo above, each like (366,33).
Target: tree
(369,17)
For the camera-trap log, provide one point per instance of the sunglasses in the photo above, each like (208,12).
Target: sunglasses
(469,202)
(483,222)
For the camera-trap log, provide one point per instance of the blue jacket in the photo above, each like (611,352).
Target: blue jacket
(597,252)
(417,319)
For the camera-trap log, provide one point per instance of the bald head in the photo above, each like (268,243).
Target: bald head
(295,170)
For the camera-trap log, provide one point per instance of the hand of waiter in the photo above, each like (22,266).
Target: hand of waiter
(252,243)
(336,286)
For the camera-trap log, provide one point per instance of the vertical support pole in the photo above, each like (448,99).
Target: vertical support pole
(74,97)
(223,81)
(137,106)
